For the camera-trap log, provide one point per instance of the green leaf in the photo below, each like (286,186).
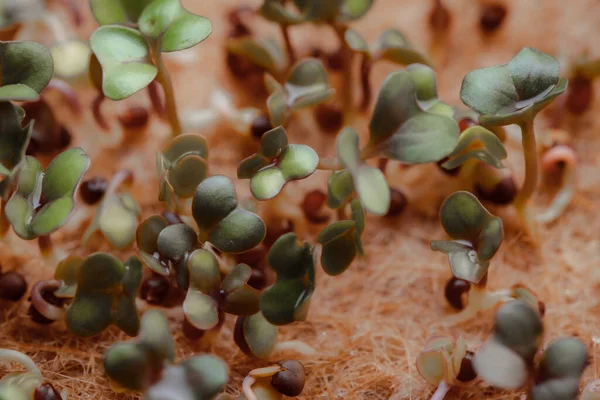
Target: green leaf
(339,248)
(239,297)
(215,198)
(186,31)
(89,314)
(207,375)
(391,45)
(259,335)
(278,302)
(174,241)
(66,272)
(155,336)
(204,270)
(356,42)
(239,232)
(125,58)
(52,216)
(186,144)
(148,231)
(117,219)
(128,365)
(355,9)
(463,260)
(499,366)
(275,11)
(201,310)
(109,12)
(26,68)
(340,187)
(272,143)
(13,138)
(158,16)
(64,174)
(277,107)
(515,91)
(19,212)
(478,143)
(565,388)
(519,327)
(564,357)
(265,53)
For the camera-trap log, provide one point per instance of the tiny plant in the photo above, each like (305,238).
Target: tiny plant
(131,57)
(28,385)
(286,378)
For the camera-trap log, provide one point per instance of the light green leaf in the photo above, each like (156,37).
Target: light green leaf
(26,68)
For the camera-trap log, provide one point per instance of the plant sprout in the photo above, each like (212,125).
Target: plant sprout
(514,93)
(264,52)
(161,26)
(27,385)
(44,200)
(147,364)
(391,45)
(287,378)
(181,167)
(581,90)
(444,362)
(506,360)
(117,215)
(288,299)
(476,237)
(306,86)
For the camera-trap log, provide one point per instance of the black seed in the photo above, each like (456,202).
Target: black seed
(260,126)
(12,286)
(335,60)
(467,372)
(191,332)
(329,117)
(290,381)
(253,257)
(397,204)
(439,19)
(50,298)
(502,194)
(92,190)
(135,117)
(155,289)
(258,279)
(492,17)
(579,95)
(241,67)
(312,206)
(454,291)
(239,338)
(46,392)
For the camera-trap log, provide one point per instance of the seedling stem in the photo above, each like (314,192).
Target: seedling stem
(442,389)
(165,81)
(531,173)
(347,89)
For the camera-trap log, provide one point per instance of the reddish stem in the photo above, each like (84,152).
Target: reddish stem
(156,99)
(97,111)
(365,73)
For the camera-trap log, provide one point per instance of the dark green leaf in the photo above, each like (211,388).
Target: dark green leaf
(564,357)
(13,138)
(340,187)
(205,273)
(265,53)
(519,327)
(215,198)
(26,68)
(174,241)
(260,335)
(478,143)
(109,12)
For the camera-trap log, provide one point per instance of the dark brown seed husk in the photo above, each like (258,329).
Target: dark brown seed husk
(50,298)
(12,286)
(253,257)
(46,392)
(92,190)
(312,206)
(135,117)
(275,230)
(455,291)
(335,60)
(502,194)
(260,126)
(492,17)
(155,289)
(329,117)
(258,279)
(191,332)
(397,204)
(290,381)
(579,95)
(467,372)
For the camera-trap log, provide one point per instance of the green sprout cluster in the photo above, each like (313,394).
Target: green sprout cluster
(187,253)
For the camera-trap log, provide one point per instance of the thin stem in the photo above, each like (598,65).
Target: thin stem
(560,201)
(97,111)
(20,358)
(45,245)
(155,99)
(4,222)
(531,172)
(48,310)
(479,299)
(365,73)
(285,31)
(121,178)
(67,93)
(329,164)
(247,388)
(442,389)
(347,89)
(164,79)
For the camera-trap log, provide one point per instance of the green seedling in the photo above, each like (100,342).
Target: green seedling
(514,93)
(131,57)
(147,364)
(45,199)
(286,378)
(264,52)
(391,45)
(28,385)
(306,86)
(26,68)
(181,167)
(476,237)
(117,215)
(288,300)
(506,359)
(445,362)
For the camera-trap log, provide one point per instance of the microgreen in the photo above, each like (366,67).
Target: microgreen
(477,143)
(181,167)
(13,143)
(220,219)
(409,123)
(26,69)
(306,86)
(19,385)
(341,241)
(264,52)
(147,364)
(369,182)
(440,362)
(277,163)
(507,358)
(44,200)
(514,93)
(131,58)
(476,235)
(340,188)
(117,215)
(315,11)
(255,336)
(287,378)
(106,292)
(288,299)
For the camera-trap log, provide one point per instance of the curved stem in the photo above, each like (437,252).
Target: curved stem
(20,358)
(297,346)
(329,164)
(560,201)
(253,375)
(285,32)
(155,99)
(164,79)
(4,222)
(442,389)
(247,388)
(48,310)
(121,178)
(365,73)
(531,173)
(479,299)
(347,90)
(97,111)
(67,93)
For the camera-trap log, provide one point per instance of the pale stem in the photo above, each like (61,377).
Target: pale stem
(155,99)
(20,358)
(164,79)
(347,89)
(329,164)
(48,310)
(479,299)
(97,111)
(531,174)
(55,26)
(297,346)
(121,178)
(442,389)
(250,380)
(68,94)
(564,196)
(285,32)
(247,388)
